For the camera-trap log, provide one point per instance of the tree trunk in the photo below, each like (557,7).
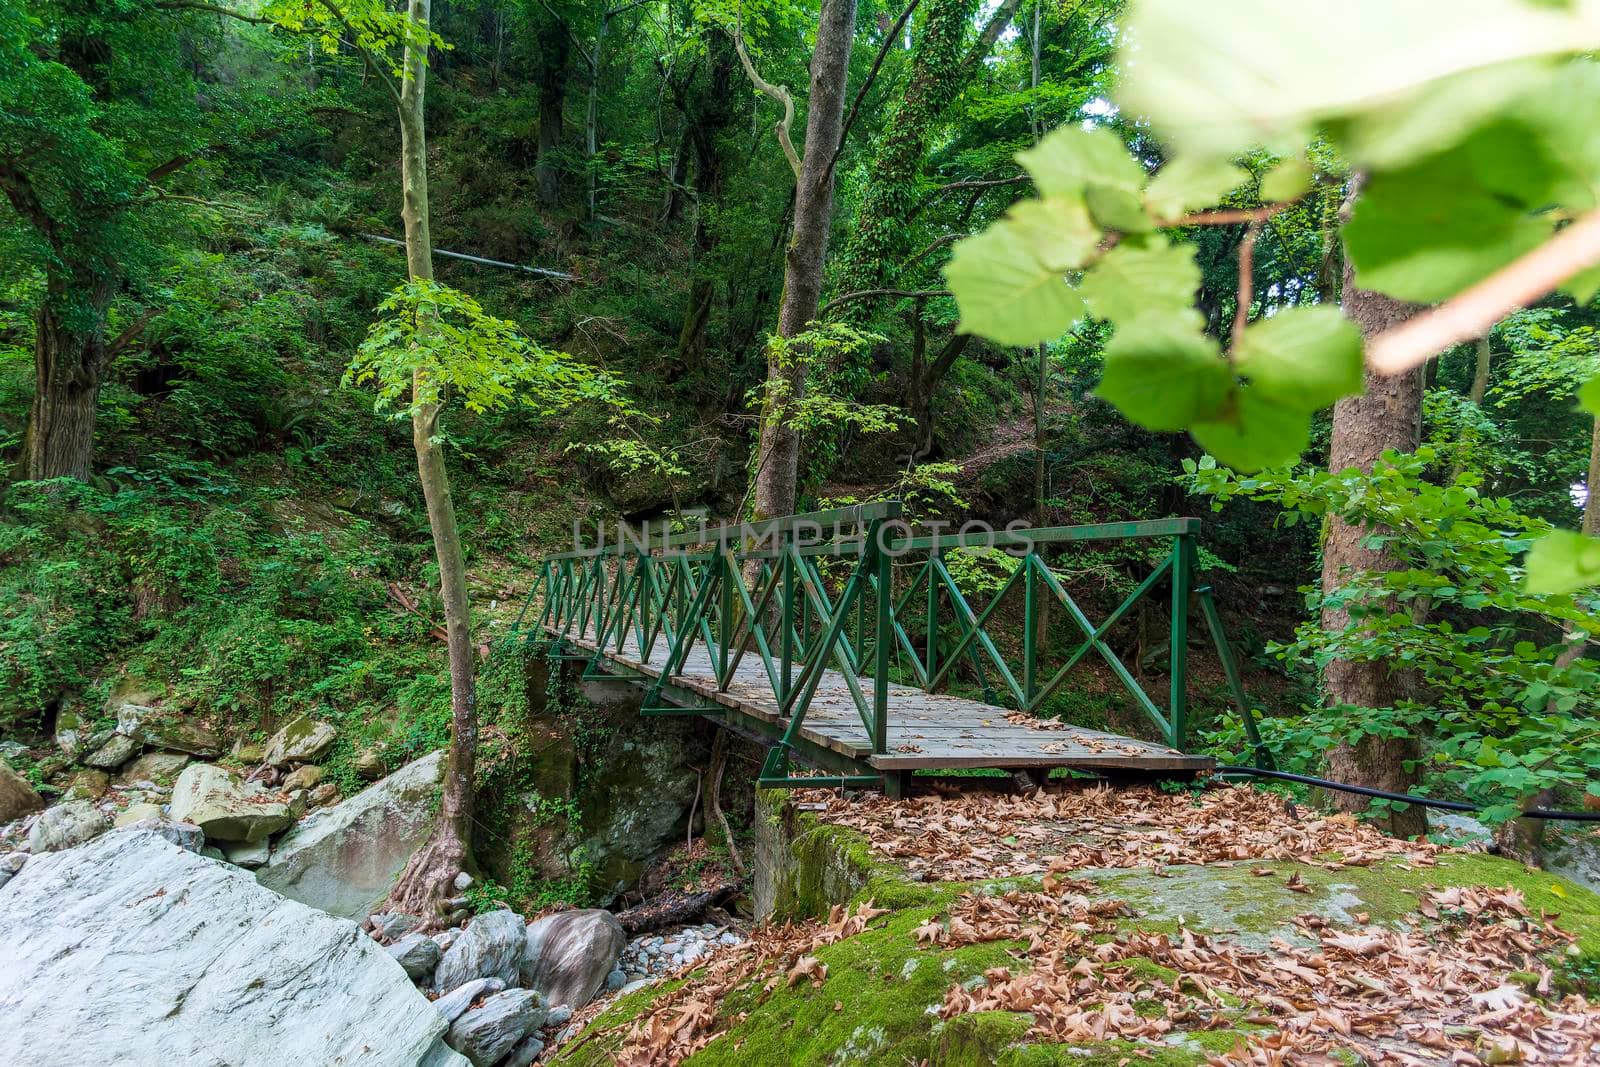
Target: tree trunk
(778,467)
(427,879)
(554,45)
(68,366)
(1387,415)
(708,119)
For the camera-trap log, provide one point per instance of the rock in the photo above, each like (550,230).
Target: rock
(567,956)
(64,826)
(225,808)
(419,954)
(114,753)
(10,864)
(191,962)
(616,980)
(77,734)
(392,926)
(137,813)
(526,1051)
(186,835)
(305,777)
(212,852)
(17,797)
(248,854)
(463,882)
(369,765)
(452,1004)
(446,938)
(159,767)
(168,729)
(486,1033)
(558,1015)
(323,795)
(297,803)
(11,750)
(301,740)
(490,947)
(344,859)
(88,785)
(246,752)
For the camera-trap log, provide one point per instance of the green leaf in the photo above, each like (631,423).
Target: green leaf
(1118,209)
(1589,396)
(1057,229)
(1191,182)
(1132,280)
(1303,357)
(1428,231)
(1006,292)
(1562,561)
(1217,77)
(1162,373)
(1288,180)
(1583,285)
(1071,159)
(1255,432)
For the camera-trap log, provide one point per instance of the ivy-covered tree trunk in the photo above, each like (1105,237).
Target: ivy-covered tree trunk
(779,456)
(555,44)
(69,363)
(1387,415)
(427,879)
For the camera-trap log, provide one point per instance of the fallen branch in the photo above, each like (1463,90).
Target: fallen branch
(543,272)
(673,908)
(1471,313)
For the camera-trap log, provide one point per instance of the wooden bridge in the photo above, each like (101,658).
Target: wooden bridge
(835,636)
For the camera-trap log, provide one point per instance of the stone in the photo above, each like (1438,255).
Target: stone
(137,813)
(247,752)
(64,826)
(305,777)
(463,882)
(88,784)
(452,1004)
(192,962)
(616,979)
(526,1051)
(10,864)
(558,1015)
(225,808)
(159,768)
(486,1033)
(212,852)
(77,734)
(297,804)
(345,859)
(369,765)
(301,740)
(393,925)
(323,795)
(167,729)
(248,854)
(186,835)
(490,947)
(418,954)
(114,753)
(12,750)
(567,955)
(446,938)
(17,797)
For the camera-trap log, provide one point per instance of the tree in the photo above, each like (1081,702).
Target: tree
(1386,415)
(96,108)
(778,456)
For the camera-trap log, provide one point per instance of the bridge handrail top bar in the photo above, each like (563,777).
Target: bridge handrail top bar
(732,534)
(1102,531)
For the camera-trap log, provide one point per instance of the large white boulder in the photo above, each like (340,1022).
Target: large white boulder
(130,950)
(567,955)
(345,858)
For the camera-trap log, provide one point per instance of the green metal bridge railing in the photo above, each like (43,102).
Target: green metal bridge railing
(858,590)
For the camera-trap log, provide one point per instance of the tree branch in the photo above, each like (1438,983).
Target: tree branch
(883,52)
(991,32)
(366,56)
(212,9)
(865,293)
(1471,313)
(776,92)
(1247,280)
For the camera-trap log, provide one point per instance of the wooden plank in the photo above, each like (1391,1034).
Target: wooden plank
(925,730)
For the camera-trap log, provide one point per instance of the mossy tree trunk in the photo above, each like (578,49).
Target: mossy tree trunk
(428,878)
(778,464)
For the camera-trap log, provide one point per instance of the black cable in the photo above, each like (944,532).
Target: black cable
(1406,798)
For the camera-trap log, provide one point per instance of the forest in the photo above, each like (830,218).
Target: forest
(327,326)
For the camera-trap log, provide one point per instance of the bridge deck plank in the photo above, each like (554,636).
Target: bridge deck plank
(926,730)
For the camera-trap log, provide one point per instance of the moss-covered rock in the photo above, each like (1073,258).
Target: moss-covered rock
(880,1000)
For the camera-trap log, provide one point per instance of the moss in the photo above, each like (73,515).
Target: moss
(978,1039)
(605,1033)
(1102,1054)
